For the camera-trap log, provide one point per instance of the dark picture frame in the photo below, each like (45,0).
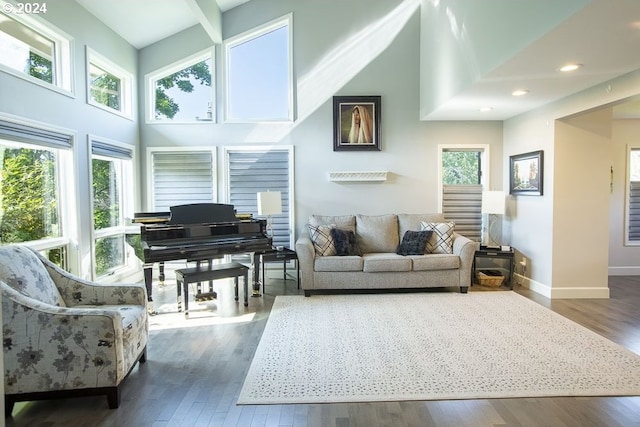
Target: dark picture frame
(356,123)
(526,173)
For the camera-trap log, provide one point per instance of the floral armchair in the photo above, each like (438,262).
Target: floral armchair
(63,336)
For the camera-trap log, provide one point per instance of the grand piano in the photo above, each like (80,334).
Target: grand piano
(199,232)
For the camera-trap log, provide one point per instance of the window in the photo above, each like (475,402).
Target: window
(34,195)
(181,177)
(632,235)
(35,51)
(108,86)
(182,92)
(462,184)
(254,169)
(259,83)
(112,179)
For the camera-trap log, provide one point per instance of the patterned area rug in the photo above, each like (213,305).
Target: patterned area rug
(430,346)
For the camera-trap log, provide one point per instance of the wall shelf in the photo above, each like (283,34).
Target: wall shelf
(362,176)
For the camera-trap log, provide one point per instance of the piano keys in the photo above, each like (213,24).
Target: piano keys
(199,232)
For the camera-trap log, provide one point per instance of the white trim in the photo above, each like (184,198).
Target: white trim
(560,292)
(150,79)
(126,83)
(632,270)
(254,33)
(64,47)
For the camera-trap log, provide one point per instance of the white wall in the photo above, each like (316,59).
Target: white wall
(370,48)
(556,259)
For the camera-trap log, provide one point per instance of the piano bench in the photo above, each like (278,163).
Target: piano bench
(185,276)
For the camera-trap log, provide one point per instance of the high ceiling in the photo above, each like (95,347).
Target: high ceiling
(489,48)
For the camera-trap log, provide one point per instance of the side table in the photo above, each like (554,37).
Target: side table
(495,253)
(283,256)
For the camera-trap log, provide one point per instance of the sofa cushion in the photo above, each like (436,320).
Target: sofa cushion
(441,241)
(435,262)
(412,221)
(385,262)
(320,236)
(377,233)
(338,263)
(414,242)
(346,222)
(345,242)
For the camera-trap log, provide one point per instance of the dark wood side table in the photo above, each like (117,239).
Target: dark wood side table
(495,253)
(282,256)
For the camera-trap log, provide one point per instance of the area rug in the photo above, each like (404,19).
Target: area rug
(429,346)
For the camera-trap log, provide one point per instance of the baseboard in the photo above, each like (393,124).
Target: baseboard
(559,292)
(624,271)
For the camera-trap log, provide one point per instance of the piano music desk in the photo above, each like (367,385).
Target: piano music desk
(185,276)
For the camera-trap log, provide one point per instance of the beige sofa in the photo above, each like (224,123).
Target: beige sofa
(379,266)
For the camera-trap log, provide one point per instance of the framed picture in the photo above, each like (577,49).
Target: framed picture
(526,172)
(356,123)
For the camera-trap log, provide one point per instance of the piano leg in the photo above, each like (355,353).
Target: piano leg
(255,265)
(148,281)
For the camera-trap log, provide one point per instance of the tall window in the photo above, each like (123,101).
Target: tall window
(259,83)
(181,177)
(254,169)
(111,172)
(632,237)
(33,192)
(461,188)
(108,86)
(182,92)
(34,51)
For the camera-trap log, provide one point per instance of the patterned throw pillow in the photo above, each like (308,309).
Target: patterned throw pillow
(441,241)
(345,242)
(320,236)
(414,242)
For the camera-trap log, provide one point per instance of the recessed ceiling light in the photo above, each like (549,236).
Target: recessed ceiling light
(519,92)
(570,67)
(486,109)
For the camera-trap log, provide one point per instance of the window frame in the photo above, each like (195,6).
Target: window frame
(127,196)
(627,197)
(254,33)
(126,84)
(63,63)
(152,77)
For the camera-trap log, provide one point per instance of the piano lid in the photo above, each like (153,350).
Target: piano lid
(202,213)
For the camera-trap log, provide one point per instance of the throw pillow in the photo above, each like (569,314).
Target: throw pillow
(414,242)
(345,242)
(441,241)
(320,236)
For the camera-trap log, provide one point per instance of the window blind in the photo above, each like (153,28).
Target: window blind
(634,211)
(100,148)
(181,177)
(462,204)
(34,135)
(251,172)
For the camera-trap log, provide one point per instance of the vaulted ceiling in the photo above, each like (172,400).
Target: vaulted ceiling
(474,54)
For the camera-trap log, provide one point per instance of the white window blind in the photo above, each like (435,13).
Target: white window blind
(253,171)
(182,177)
(462,204)
(634,211)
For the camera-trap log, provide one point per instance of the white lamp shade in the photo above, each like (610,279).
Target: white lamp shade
(493,202)
(269,203)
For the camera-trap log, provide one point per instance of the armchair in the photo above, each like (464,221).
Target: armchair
(64,336)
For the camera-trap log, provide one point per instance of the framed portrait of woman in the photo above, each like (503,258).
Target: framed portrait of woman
(356,123)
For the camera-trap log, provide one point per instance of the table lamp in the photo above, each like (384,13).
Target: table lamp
(269,203)
(493,203)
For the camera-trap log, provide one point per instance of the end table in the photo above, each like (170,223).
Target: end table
(283,256)
(495,253)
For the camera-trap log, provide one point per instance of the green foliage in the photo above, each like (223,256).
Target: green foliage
(106,200)
(183,80)
(105,89)
(40,67)
(460,167)
(28,195)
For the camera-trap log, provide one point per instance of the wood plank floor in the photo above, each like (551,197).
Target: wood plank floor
(196,368)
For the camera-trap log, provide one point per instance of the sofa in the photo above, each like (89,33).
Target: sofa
(373,252)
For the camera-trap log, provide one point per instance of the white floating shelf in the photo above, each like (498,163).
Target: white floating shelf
(369,176)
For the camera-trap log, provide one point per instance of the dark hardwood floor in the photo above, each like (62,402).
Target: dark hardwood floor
(195,370)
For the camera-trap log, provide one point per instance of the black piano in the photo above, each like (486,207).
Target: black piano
(199,232)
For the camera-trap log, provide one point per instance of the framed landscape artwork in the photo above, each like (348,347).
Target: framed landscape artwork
(525,173)
(356,123)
